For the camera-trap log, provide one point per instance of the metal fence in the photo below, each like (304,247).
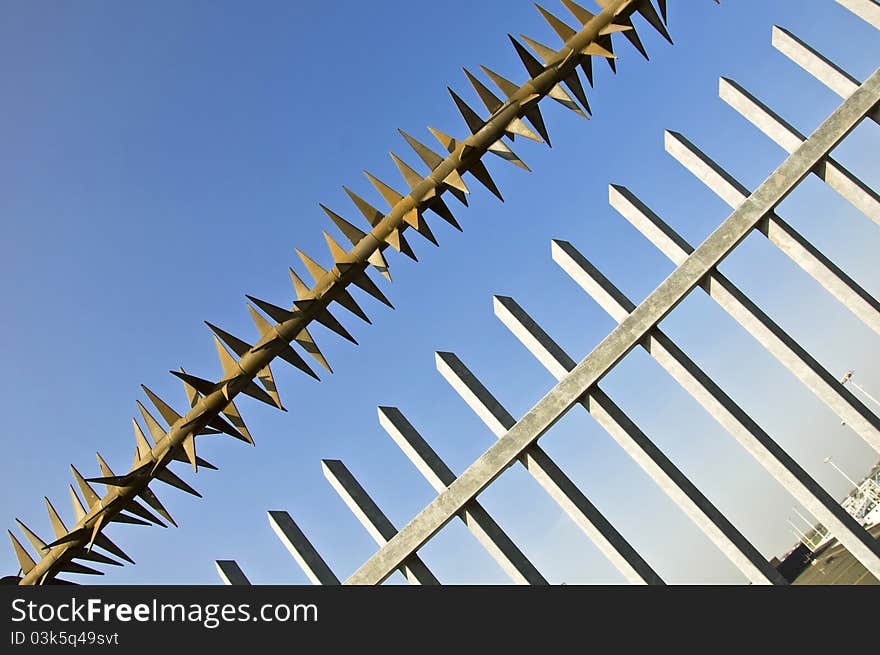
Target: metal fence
(638,326)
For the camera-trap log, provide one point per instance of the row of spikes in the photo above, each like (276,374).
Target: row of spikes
(151,461)
(77,543)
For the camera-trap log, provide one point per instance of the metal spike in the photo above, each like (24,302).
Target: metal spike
(563,31)
(230,366)
(236,426)
(25,562)
(237,346)
(493,103)
(57,524)
(481,173)
(433,160)
(532,114)
(95,556)
(286,353)
(397,241)
(337,252)
(315,269)
(533,67)
(78,510)
(327,319)
(156,431)
(471,118)
(410,176)
(121,517)
(377,261)
(169,477)
(391,196)
(142,445)
(153,501)
(595,49)
(442,210)
(38,544)
(200,385)
(168,414)
(273,311)
(414,219)
(74,567)
(137,509)
(372,214)
(646,9)
(351,232)
(307,342)
(268,381)
(91,497)
(189,447)
(366,284)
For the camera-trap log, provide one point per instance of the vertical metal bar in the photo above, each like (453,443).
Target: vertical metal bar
(302,550)
(372,518)
(786,350)
(230,572)
(642,450)
(867,10)
(724,410)
(566,494)
(490,535)
(781,234)
(860,195)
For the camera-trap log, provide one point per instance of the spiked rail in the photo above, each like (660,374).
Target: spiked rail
(211,401)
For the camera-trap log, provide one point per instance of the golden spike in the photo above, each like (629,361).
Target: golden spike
(351,233)
(492,103)
(327,319)
(273,311)
(532,114)
(433,160)
(143,446)
(377,261)
(307,342)
(169,477)
(75,567)
(410,176)
(78,510)
(146,494)
(231,369)
(268,381)
(165,410)
(299,287)
(372,214)
(414,219)
(153,426)
(315,269)
(25,562)
(88,493)
(563,31)
(391,196)
(286,353)
(596,50)
(38,544)
(338,253)
(397,241)
(57,524)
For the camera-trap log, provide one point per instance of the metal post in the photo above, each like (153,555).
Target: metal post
(573,502)
(786,350)
(372,518)
(724,410)
(642,450)
(230,572)
(490,535)
(784,236)
(302,550)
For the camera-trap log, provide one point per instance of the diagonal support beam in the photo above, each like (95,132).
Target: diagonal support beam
(372,518)
(778,343)
(301,549)
(725,411)
(539,464)
(781,234)
(852,189)
(624,338)
(641,449)
(490,535)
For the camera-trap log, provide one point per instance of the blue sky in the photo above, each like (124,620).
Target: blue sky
(161,160)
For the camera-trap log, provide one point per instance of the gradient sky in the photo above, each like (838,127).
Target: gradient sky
(160,160)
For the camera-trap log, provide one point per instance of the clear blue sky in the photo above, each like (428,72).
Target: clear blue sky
(160,160)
